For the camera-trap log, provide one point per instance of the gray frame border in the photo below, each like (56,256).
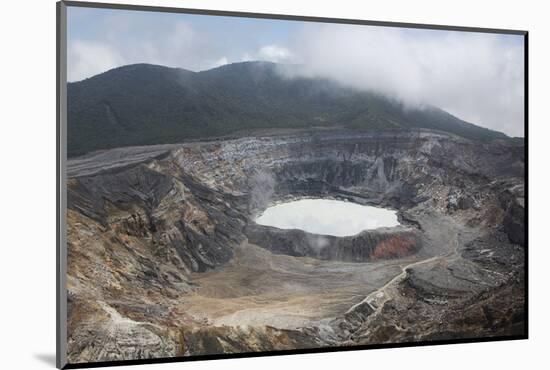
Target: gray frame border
(61,187)
(61,175)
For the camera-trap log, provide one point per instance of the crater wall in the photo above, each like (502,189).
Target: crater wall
(144,221)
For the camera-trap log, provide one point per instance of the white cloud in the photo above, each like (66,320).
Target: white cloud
(270,53)
(174,44)
(217,63)
(86,59)
(478,77)
(274,53)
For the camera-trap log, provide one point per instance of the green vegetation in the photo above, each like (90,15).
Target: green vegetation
(146,104)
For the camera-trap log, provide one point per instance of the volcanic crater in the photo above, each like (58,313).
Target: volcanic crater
(166,259)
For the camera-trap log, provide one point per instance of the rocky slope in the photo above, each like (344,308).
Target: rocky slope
(165,259)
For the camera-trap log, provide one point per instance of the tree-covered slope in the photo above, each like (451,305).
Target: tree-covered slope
(147,104)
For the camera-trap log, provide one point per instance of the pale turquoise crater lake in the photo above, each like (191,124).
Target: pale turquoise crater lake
(327,217)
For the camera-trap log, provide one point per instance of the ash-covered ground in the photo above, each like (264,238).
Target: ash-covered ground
(164,258)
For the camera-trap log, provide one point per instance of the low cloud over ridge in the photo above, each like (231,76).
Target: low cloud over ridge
(478,77)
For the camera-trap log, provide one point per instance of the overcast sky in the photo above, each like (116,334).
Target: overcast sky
(478,77)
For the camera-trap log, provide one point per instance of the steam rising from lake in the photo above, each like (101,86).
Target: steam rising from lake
(327,217)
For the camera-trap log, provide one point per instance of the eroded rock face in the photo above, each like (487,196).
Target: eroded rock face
(217,340)
(366,246)
(163,250)
(471,295)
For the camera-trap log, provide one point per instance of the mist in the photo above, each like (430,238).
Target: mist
(477,77)
(262,188)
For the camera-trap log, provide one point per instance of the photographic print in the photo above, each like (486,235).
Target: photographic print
(238,184)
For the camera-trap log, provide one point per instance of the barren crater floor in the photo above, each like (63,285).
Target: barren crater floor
(169,254)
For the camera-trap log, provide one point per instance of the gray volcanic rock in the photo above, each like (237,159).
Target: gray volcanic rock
(514,220)
(217,340)
(478,295)
(164,257)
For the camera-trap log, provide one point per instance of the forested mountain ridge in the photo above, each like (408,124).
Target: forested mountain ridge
(145,104)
